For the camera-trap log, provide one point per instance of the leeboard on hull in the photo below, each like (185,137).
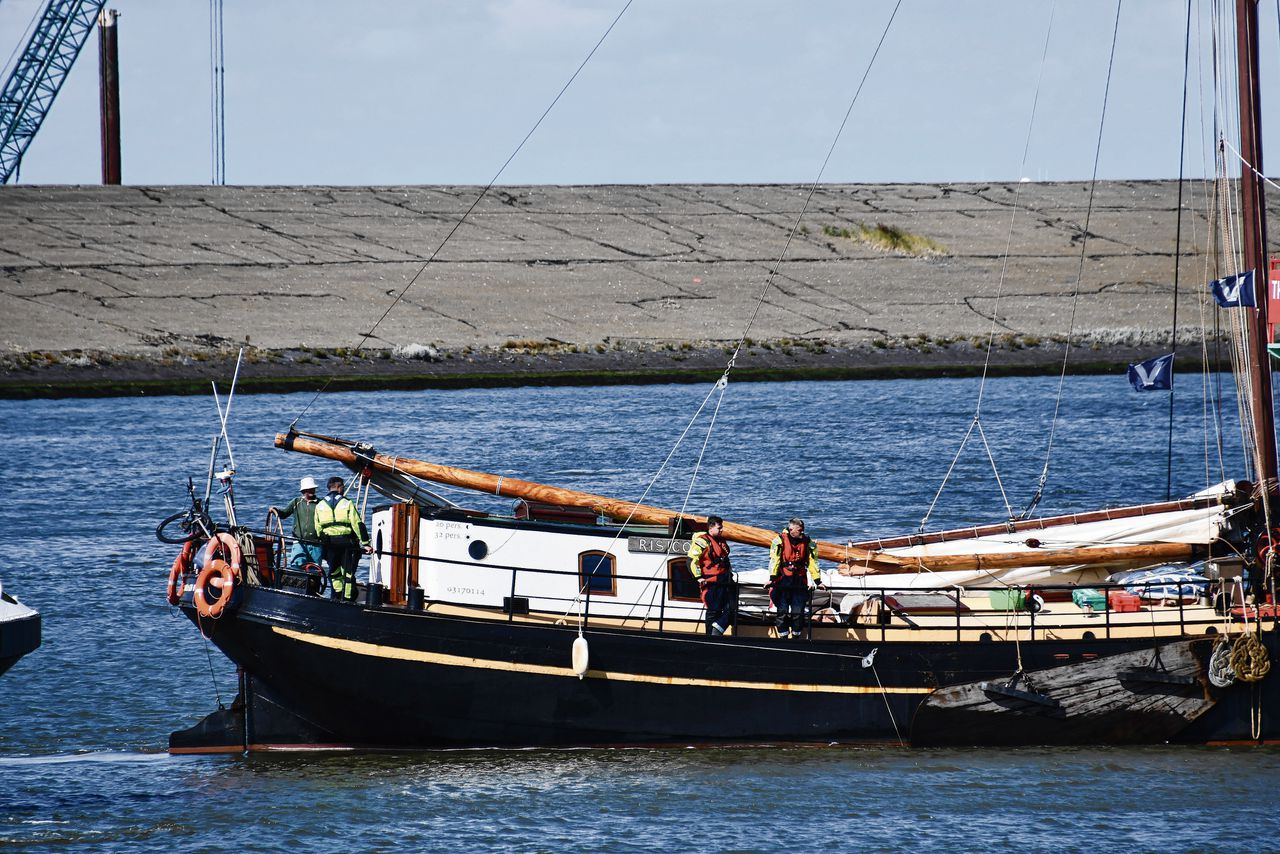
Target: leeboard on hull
(1137,697)
(387,678)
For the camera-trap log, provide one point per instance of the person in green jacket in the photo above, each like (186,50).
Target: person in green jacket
(306,542)
(342,537)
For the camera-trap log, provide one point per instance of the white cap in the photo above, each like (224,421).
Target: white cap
(307,483)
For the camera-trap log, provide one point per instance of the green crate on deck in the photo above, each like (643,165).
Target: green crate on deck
(1087,597)
(1008,600)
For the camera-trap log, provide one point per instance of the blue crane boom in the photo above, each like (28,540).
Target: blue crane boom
(38,75)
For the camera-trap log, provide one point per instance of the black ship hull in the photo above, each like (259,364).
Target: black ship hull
(324,674)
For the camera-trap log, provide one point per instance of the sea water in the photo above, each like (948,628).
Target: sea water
(85,719)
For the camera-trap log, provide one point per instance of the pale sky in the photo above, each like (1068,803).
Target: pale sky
(401,92)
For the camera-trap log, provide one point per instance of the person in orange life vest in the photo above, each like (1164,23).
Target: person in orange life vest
(709,563)
(792,563)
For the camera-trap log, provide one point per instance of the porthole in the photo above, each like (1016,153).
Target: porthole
(985,637)
(478,549)
(1212,630)
(1089,636)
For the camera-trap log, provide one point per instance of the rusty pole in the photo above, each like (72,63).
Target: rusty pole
(109,95)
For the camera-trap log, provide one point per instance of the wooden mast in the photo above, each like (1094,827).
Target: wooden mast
(1254,228)
(869,562)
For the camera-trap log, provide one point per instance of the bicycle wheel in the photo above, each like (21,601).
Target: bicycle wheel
(166,531)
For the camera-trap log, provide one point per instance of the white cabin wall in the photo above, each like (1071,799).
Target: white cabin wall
(467,580)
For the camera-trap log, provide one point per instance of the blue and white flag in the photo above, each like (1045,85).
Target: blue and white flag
(1153,374)
(1234,291)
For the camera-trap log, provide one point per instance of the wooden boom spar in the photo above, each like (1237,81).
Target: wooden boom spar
(493,484)
(864,561)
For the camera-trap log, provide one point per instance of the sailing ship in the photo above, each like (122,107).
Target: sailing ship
(593,633)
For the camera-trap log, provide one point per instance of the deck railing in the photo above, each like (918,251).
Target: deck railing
(1029,610)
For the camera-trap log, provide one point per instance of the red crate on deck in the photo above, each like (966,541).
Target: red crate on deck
(1123,602)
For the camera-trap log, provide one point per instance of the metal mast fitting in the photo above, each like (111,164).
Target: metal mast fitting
(38,75)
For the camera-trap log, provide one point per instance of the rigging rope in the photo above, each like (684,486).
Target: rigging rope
(1210,406)
(1075,297)
(209,657)
(1241,330)
(462,219)
(768,282)
(718,385)
(722,382)
(217,95)
(995,311)
(870,661)
(1177,244)
(37,11)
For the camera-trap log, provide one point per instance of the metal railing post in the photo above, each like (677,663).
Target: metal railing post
(957,617)
(511,601)
(734,624)
(1182,627)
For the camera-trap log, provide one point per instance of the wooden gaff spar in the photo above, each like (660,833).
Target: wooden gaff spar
(863,561)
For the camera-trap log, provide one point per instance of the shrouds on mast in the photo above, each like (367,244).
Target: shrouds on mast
(484,192)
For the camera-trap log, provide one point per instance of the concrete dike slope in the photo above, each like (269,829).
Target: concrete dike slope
(117,290)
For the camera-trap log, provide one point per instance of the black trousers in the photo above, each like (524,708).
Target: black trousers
(342,554)
(791,599)
(720,597)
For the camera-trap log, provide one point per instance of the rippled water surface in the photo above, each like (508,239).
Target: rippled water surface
(84,721)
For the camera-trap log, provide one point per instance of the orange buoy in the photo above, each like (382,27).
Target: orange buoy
(181,566)
(227,545)
(225,581)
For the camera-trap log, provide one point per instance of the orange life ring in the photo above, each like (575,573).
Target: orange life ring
(226,543)
(226,580)
(181,566)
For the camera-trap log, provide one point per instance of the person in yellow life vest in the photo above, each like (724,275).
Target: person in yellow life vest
(709,563)
(342,539)
(792,564)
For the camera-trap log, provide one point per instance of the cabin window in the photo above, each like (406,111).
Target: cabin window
(681,585)
(595,573)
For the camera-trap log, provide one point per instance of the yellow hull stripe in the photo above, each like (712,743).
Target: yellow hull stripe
(379,651)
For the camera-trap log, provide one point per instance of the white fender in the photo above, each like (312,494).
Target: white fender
(580,656)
